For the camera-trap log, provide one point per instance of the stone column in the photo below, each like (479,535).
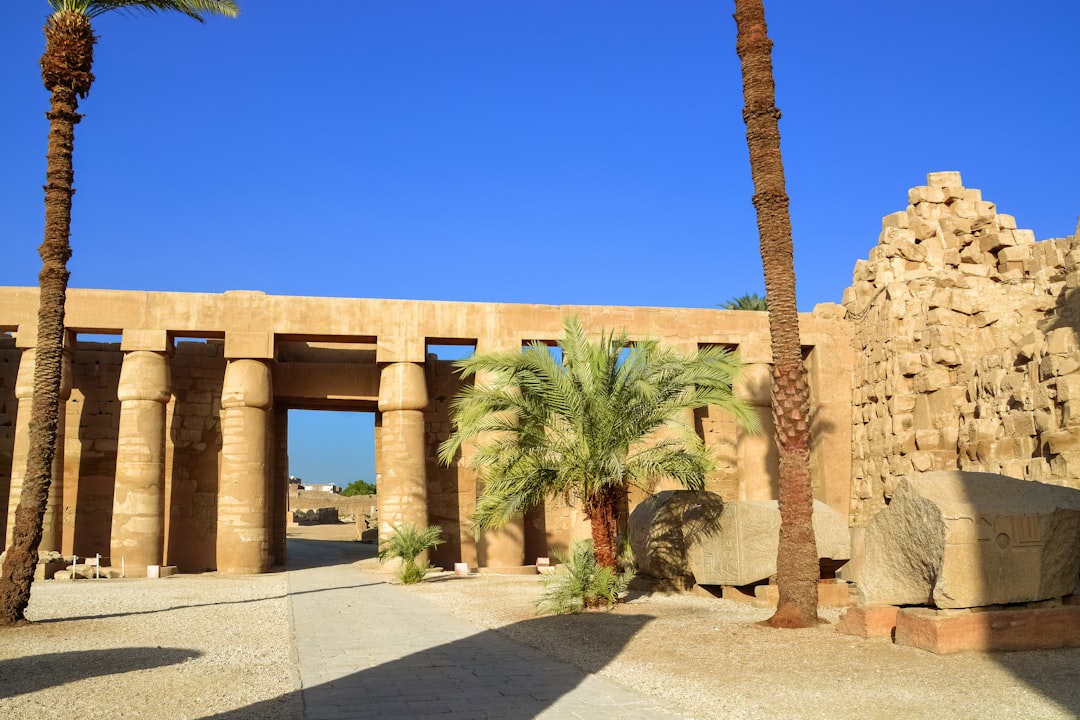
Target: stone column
(244,524)
(138,521)
(53,521)
(402,458)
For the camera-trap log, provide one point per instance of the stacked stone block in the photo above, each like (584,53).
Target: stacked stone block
(194,422)
(966,347)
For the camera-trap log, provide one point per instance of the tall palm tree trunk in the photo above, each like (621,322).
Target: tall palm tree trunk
(65,70)
(797,568)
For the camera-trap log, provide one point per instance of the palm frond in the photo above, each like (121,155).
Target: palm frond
(196,9)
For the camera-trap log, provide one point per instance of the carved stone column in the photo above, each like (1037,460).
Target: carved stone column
(52,522)
(138,522)
(402,458)
(244,525)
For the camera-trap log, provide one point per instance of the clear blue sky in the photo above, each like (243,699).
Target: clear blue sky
(547,151)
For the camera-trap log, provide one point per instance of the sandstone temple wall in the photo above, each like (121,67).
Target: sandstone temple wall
(175,447)
(966,347)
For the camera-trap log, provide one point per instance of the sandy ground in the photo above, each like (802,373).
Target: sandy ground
(202,646)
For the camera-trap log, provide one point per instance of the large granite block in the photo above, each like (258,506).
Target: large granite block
(742,550)
(692,537)
(957,539)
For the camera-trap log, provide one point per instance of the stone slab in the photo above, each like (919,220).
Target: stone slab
(868,621)
(687,537)
(743,549)
(951,631)
(830,594)
(957,539)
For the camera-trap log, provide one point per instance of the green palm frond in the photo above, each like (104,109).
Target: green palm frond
(197,9)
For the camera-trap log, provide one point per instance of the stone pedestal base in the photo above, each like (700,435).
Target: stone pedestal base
(830,594)
(872,621)
(949,631)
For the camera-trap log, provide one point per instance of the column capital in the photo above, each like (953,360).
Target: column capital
(144,375)
(403,386)
(248,383)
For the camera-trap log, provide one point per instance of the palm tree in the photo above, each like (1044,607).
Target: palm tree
(797,569)
(748,302)
(66,73)
(603,418)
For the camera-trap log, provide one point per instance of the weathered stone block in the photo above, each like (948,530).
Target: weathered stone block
(949,631)
(871,621)
(742,550)
(967,539)
(686,537)
(945,178)
(658,526)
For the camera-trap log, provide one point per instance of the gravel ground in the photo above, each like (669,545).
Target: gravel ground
(197,646)
(711,657)
(181,647)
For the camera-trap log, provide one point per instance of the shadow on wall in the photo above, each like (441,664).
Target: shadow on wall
(1066,313)
(94,403)
(30,674)
(482,675)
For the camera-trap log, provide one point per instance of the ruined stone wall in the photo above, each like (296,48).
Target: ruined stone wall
(191,460)
(966,347)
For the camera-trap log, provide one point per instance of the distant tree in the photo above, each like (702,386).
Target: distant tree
(358,487)
(586,426)
(797,568)
(66,73)
(748,302)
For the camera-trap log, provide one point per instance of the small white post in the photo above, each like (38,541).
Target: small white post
(123,566)
(97,568)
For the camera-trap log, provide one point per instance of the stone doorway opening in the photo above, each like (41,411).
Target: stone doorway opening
(325,451)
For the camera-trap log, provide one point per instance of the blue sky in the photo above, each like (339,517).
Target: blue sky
(542,151)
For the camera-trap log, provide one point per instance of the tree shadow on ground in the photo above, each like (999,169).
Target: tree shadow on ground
(485,675)
(23,675)
(1051,673)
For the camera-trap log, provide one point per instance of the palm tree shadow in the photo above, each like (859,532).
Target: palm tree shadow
(484,675)
(23,675)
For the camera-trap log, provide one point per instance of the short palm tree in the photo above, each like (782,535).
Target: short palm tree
(587,427)
(407,544)
(66,73)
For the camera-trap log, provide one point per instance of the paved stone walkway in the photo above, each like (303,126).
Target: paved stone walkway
(367,649)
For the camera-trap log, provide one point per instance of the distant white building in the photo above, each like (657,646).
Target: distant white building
(327,487)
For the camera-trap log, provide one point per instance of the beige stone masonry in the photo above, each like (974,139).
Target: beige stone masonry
(954,313)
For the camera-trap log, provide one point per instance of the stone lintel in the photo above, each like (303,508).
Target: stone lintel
(394,349)
(249,345)
(26,336)
(151,340)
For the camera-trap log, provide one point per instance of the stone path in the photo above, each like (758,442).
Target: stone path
(367,649)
